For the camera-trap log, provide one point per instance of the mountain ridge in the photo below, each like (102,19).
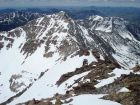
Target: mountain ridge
(128,13)
(35,51)
(15,19)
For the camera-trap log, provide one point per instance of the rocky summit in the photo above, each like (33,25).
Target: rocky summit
(42,62)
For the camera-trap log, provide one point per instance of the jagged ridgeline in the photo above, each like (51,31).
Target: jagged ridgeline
(8,21)
(46,54)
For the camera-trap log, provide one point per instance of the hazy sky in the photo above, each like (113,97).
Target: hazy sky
(35,3)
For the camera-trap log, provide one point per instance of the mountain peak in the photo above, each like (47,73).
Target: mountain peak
(96,17)
(62,14)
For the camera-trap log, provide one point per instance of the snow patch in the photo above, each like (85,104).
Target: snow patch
(117,73)
(89,99)
(124,89)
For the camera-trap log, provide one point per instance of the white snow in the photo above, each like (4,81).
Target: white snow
(96,17)
(86,35)
(101,57)
(104,25)
(11,63)
(89,99)
(71,80)
(124,89)
(124,60)
(117,73)
(138,73)
(39,20)
(45,86)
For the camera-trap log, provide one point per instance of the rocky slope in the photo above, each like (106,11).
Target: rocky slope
(88,85)
(46,55)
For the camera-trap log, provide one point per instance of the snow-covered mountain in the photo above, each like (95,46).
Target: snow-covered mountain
(43,58)
(9,21)
(122,36)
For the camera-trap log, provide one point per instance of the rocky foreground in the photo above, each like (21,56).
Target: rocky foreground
(98,71)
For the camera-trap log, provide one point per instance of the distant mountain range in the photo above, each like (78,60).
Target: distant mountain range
(130,14)
(12,20)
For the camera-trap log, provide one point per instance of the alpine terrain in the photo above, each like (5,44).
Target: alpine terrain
(41,62)
(12,20)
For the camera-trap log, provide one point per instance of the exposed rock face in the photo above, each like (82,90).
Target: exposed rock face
(14,86)
(17,81)
(1,45)
(64,77)
(32,102)
(97,72)
(126,98)
(136,68)
(58,102)
(4,38)
(84,87)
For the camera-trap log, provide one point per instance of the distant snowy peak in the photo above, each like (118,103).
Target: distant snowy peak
(101,23)
(95,17)
(120,35)
(12,20)
(20,16)
(111,24)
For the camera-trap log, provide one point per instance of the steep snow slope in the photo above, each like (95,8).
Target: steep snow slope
(45,86)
